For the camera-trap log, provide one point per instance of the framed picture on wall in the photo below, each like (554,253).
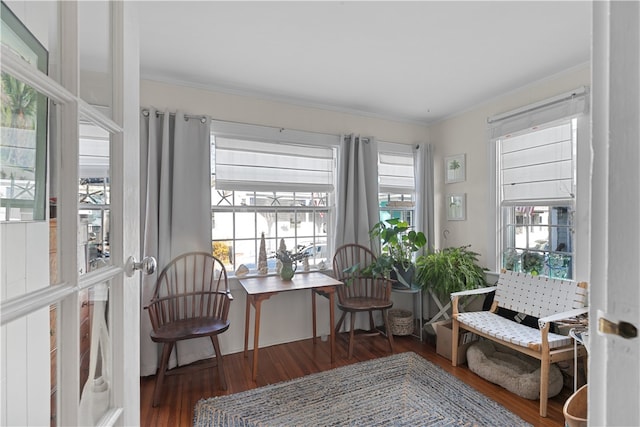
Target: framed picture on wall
(457,207)
(454,169)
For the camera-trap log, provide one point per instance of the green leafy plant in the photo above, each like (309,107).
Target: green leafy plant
(382,267)
(398,244)
(398,241)
(450,270)
(532,262)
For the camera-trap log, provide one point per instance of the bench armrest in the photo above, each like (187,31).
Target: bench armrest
(560,316)
(473,292)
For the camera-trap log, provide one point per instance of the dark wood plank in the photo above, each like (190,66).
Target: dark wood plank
(292,360)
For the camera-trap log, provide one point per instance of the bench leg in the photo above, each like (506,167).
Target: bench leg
(455,329)
(544,384)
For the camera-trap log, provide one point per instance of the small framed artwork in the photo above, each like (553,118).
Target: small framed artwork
(454,169)
(457,207)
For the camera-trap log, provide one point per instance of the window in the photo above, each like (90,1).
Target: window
(536,185)
(272,181)
(396,182)
(23,127)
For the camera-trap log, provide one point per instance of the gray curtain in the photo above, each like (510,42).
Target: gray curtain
(176,211)
(356,191)
(423,164)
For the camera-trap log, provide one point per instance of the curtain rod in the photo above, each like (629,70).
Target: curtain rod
(145,112)
(581,91)
(203,119)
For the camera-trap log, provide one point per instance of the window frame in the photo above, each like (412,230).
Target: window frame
(285,136)
(401,202)
(582,161)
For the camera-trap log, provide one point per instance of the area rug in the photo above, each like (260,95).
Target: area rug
(400,390)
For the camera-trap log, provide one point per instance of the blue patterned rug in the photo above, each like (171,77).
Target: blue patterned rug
(400,390)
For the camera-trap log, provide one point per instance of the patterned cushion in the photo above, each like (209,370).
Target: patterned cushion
(510,331)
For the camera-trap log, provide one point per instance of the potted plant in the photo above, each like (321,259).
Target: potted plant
(449,270)
(399,243)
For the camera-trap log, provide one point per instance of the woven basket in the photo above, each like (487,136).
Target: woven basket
(401,321)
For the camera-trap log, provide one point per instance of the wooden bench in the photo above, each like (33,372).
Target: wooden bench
(547,299)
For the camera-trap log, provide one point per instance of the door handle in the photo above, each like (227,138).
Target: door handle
(147,265)
(622,329)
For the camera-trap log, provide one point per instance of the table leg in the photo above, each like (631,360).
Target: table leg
(332,332)
(247,316)
(313,309)
(256,336)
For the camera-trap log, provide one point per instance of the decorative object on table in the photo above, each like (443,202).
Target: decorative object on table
(288,261)
(313,399)
(399,243)
(454,169)
(305,264)
(262,257)
(242,270)
(322,265)
(457,207)
(288,270)
(517,372)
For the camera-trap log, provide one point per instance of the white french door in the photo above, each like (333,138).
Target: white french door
(614,371)
(73,339)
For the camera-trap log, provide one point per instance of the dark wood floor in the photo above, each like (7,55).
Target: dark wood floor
(292,360)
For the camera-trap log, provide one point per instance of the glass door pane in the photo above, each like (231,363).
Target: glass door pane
(95,353)
(23,151)
(94,22)
(94,194)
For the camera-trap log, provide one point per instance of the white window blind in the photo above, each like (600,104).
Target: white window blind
(395,168)
(560,107)
(538,166)
(242,164)
(94,152)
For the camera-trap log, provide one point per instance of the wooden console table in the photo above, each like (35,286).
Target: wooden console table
(261,288)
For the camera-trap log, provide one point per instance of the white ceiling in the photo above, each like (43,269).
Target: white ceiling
(415,61)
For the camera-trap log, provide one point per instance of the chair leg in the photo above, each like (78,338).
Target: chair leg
(385,314)
(162,369)
(219,362)
(339,324)
(352,316)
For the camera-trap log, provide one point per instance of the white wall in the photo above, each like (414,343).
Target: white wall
(25,366)
(223,106)
(467,133)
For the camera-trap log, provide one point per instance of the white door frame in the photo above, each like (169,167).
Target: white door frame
(614,372)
